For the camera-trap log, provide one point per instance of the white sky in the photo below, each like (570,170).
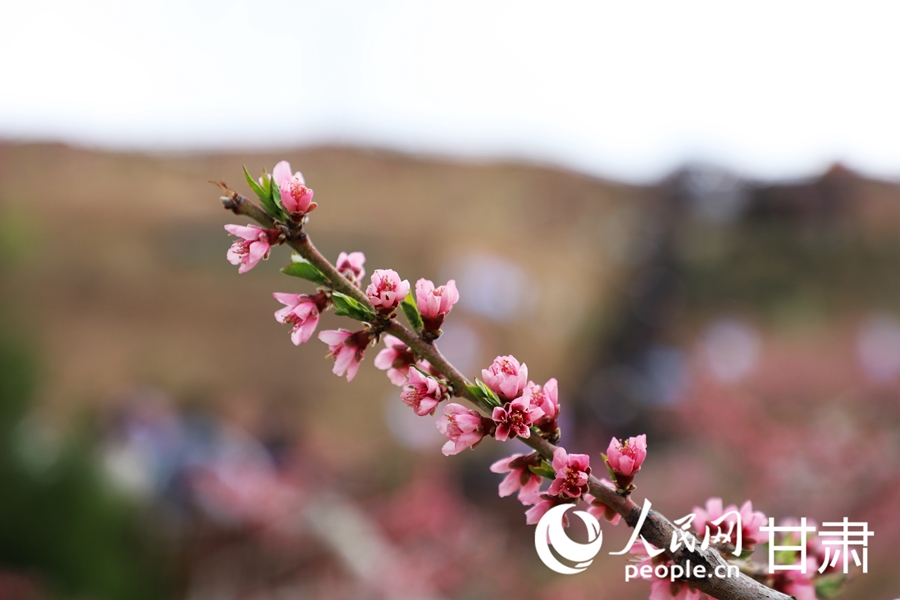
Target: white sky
(624,89)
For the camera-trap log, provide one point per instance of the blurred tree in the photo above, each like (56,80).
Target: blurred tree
(60,523)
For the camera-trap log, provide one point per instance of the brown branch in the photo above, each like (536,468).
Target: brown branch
(657,529)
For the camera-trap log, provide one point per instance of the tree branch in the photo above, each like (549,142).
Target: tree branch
(657,529)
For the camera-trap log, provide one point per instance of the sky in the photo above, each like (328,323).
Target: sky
(629,90)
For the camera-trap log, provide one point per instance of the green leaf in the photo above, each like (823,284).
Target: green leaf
(265,196)
(476,391)
(484,393)
(300,267)
(346,306)
(253,184)
(829,586)
(492,397)
(544,470)
(266,183)
(275,195)
(412,312)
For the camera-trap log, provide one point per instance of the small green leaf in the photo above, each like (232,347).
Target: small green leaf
(300,267)
(489,395)
(544,470)
(476,391)
(412,312)
(265,196)
(829,586)
(346,306)
(254,185)
(275,195)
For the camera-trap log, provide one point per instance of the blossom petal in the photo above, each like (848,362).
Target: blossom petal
(282,173)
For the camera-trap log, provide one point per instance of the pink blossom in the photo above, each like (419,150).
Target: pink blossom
(600,510)
(296,198)
(396,358)
(301,312)
(253,246)
(544,397)
(386,290)
(435,303)
(625,459)
(799,587)
(422,393)
(346,348)
(541,504)
(520,477)
(751,521)
(506,377)
(351,266)
(572,474)
(515,419)
(463,427)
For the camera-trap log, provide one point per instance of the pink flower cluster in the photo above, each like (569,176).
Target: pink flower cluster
(526,402)
(519,407)
(724,534)
(572,474)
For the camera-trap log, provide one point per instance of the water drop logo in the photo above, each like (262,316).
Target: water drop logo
(550,527)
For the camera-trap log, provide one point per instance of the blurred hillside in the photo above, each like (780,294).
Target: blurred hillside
(751,328)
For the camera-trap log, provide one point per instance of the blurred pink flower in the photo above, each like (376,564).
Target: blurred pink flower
(347,349)
(600,510)
(301,312)
(422,393)
(515,419)
(506,377)
(253,246)
(662,588)
(572,473)
(798,585)
(351,266)
(463,427)
(750,520)
(435,303)
(296,198)
(396,357)
(386,290)
(520,477)
(541,504)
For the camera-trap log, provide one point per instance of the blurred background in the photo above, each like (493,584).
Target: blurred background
(688,214)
